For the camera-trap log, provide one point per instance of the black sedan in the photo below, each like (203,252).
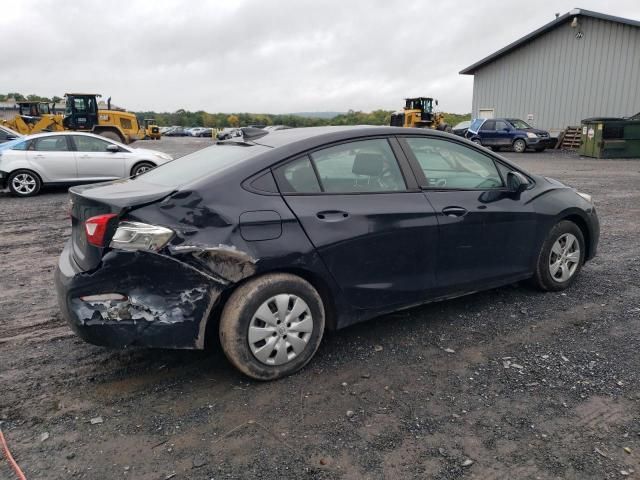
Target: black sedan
(268,239)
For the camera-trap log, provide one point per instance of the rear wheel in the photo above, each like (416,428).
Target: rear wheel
(140,168)
(540,149)
(561,257)
(519,145)
(111,135)
(24,183)
(272,326)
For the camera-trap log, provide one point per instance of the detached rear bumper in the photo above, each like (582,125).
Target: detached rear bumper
(136,298)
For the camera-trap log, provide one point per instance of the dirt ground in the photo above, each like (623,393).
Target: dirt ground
(505,384)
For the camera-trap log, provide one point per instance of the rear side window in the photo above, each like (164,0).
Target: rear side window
(449,165)
(363,166)
(298,177)
(488,125)
(51,144)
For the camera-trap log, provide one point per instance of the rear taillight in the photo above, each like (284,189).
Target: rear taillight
(140,236)
(96,227)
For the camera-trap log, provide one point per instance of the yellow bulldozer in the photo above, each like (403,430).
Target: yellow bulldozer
(151,129)
(419,113)
(82,114)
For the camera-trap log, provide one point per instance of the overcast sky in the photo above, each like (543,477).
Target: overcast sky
(264,56)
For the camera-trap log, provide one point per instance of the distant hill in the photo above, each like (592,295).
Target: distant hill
(316,114)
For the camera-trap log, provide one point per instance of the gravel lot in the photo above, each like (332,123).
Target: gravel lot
(505,384)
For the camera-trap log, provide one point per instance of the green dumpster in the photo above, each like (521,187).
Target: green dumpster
(607,137)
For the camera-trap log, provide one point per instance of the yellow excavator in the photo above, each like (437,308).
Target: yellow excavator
(419,113)
(82,114)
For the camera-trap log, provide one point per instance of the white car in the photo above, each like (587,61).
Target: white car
(66,158)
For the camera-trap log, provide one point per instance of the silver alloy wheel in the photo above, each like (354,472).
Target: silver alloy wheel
(24,183)
(280,329)
(141,169)
(519,146)
(564,257)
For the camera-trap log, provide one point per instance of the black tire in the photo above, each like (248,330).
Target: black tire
(543,278)
(476,141)
(31,188)
(238,315)
(141,167)
(539,150)
(111,135)
(519,145)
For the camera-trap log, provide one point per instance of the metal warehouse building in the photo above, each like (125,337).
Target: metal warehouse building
(583,64)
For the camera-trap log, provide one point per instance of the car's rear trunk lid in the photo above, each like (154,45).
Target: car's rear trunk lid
(114,197)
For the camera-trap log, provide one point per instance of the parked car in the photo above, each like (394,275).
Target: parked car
(175,132)
(65,158)
(196,131)
(6,134)
(509,133)
(271,238)
(461,128)
(206,132)
(227,133)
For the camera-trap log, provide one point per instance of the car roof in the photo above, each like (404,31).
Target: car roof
(65,133)
(320,135)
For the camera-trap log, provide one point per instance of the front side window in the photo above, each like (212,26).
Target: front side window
(520,124)
(51,144)
(449,165)
(90,144)
(363,166)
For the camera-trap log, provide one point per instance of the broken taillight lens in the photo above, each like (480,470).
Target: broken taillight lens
(140,236)
(96,227)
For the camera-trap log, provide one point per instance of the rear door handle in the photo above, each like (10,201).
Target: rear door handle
(454,211)
(332,215)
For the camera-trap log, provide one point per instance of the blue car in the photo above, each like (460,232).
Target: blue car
(497,133)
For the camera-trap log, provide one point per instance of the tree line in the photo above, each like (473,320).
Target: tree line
(201,118)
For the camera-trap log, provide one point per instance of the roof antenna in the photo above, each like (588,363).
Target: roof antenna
(557,14)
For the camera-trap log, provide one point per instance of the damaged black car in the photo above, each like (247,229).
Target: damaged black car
(270,238)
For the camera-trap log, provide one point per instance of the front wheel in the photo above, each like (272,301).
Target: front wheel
(477,141)
(24,183)
(141,167)
(561,257)
(272,326)
(519,145)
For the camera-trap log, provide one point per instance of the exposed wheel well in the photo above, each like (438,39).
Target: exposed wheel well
(582,225)
(211,330)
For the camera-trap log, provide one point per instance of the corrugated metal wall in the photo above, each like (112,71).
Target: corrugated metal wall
(561,79)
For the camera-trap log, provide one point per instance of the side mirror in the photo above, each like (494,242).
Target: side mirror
(507,129)
(517,182)
(113,148)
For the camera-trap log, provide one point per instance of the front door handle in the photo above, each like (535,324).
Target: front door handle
(454,211)
(332,215)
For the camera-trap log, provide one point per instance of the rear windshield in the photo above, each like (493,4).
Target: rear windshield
(476,124)
(200,164)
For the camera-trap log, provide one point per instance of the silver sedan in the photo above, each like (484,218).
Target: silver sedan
(68,158)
